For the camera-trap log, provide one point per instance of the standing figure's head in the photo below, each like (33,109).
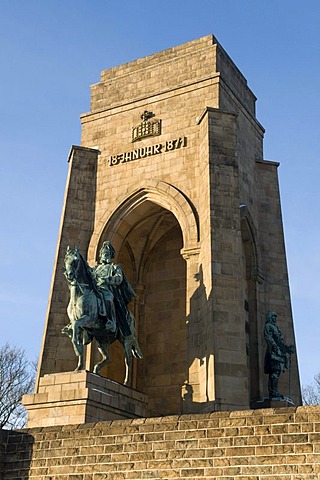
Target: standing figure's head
(271,317)
(107,252)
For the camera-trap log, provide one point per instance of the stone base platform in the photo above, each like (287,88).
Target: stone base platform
(81,397)
(274,402)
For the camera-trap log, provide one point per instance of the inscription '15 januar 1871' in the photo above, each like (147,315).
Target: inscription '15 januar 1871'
(148,151)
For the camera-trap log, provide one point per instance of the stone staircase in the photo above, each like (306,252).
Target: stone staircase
(277,444)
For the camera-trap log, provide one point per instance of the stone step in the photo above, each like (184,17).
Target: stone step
(255,444)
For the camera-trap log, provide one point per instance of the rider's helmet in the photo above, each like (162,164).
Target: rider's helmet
(107,250)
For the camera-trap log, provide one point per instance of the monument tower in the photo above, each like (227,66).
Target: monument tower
(171,171)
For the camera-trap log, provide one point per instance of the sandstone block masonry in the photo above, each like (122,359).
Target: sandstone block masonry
(82,397)
(193,211)
(267,444)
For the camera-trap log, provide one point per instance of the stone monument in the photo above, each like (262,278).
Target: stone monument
(171,171)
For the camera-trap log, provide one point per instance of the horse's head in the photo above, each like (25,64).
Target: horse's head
(71,263)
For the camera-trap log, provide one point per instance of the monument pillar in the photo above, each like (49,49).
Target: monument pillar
(76,226)
(195,387)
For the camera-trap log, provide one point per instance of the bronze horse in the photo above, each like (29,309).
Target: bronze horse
(85,322)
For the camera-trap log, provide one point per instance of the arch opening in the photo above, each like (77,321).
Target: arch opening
(250,267)
(148,244)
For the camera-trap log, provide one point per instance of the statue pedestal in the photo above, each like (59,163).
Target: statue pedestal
(274,402)
(82,397)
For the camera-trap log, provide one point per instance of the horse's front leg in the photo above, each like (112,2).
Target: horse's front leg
(77,341)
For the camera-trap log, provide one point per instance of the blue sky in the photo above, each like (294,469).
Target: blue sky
(51,51)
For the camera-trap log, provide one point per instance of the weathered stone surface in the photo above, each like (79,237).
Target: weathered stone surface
(195,446)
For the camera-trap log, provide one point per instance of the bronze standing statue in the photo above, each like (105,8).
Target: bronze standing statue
(276,359)
(98,307)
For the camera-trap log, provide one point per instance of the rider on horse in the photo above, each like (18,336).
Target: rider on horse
(114,291)
(98,308)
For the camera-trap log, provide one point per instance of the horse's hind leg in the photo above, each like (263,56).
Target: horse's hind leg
(80,365)
(128,361)
(103,349)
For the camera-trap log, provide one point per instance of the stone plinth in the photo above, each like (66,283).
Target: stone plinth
(80,397)
(275,402)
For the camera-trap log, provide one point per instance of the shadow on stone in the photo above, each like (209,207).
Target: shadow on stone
(15,454)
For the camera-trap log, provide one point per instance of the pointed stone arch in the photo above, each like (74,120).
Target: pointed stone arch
(115,225)
(250,238)
(155,232)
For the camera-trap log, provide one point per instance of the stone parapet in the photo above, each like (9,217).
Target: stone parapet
(277,444)
(4,435)
(188,64)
